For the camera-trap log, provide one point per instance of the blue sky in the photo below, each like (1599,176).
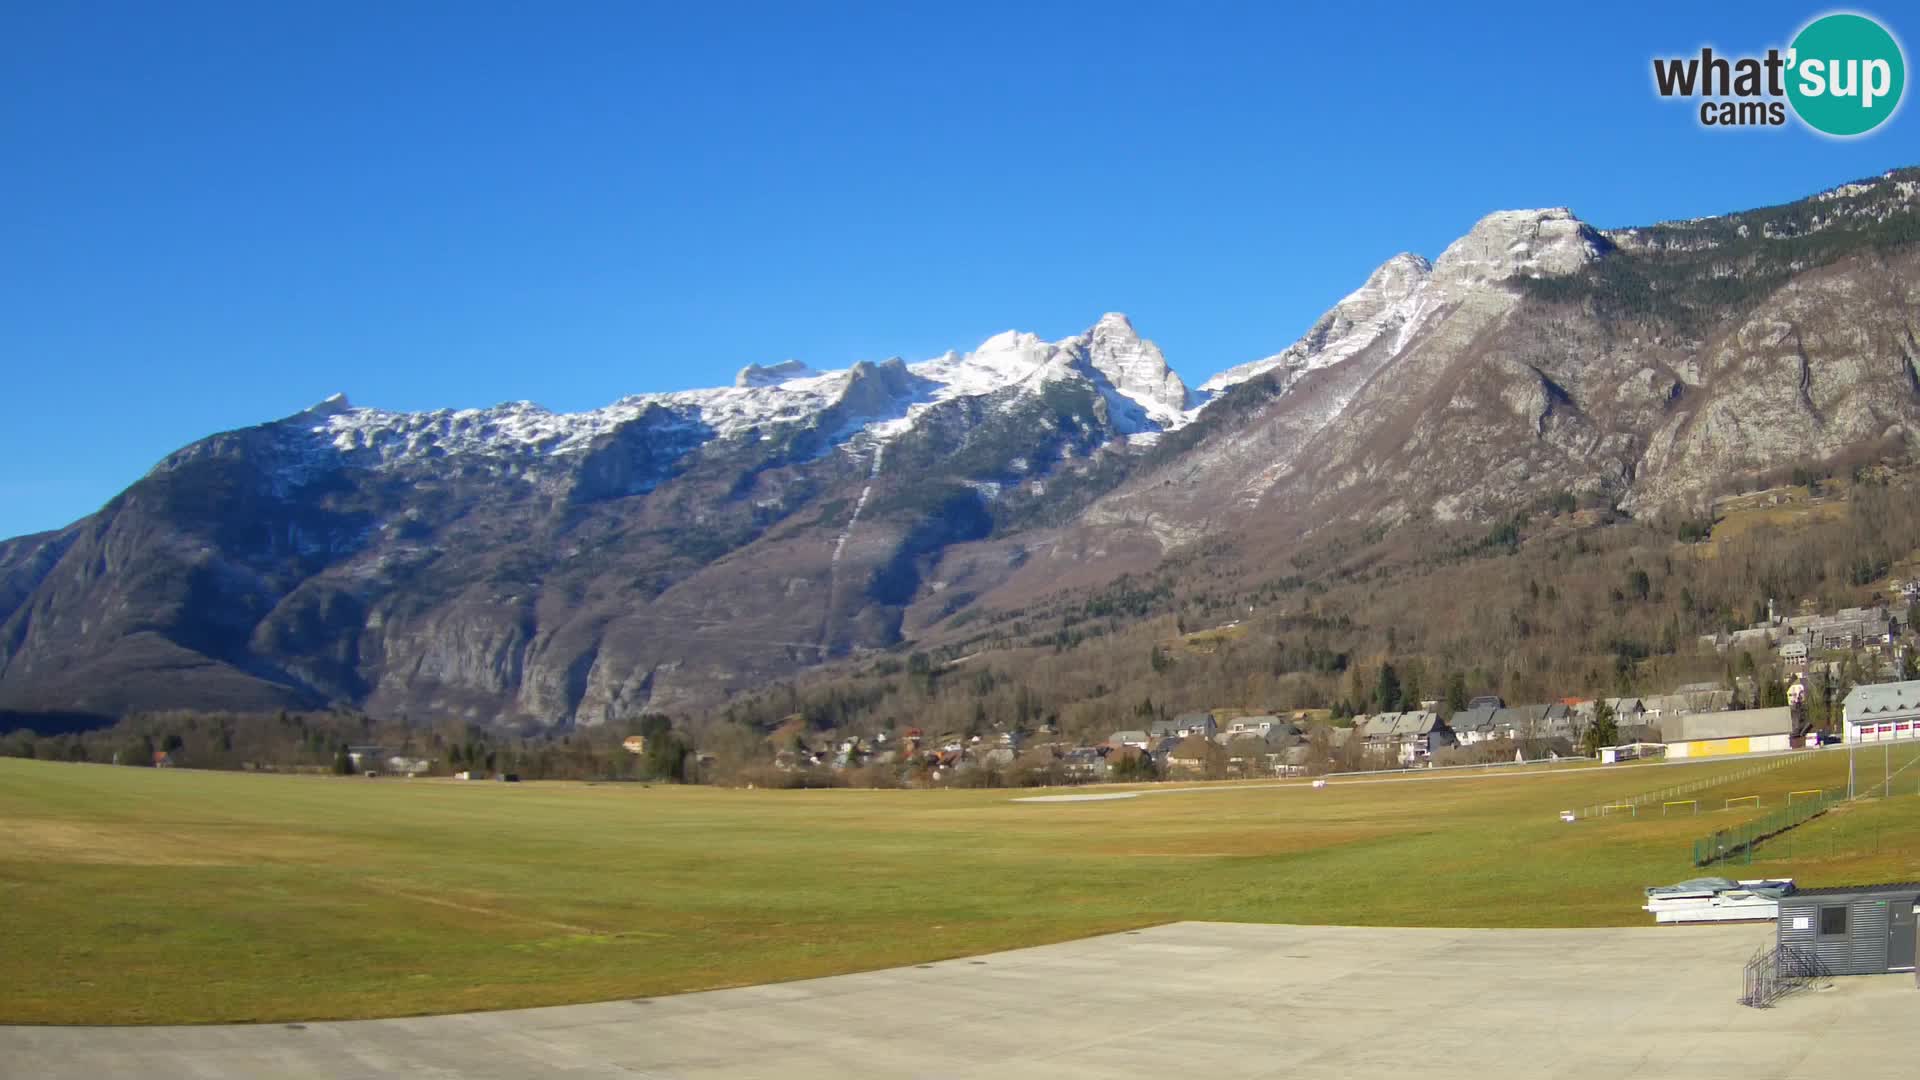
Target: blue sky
(213,215)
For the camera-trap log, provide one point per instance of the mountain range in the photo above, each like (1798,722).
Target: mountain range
(518,566)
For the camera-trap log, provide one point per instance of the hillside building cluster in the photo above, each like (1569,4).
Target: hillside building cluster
(1689,721)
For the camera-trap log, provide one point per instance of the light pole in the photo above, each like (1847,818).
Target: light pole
(1852,745)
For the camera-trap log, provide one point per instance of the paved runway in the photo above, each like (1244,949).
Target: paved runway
(1191,1000)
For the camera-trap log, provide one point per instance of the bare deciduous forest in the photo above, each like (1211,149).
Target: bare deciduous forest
(1556,602)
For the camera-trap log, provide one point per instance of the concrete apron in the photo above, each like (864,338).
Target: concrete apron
(1191,999)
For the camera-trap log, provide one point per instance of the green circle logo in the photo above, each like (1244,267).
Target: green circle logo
(1846,74)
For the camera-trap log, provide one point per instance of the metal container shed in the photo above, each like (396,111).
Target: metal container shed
(1852,930)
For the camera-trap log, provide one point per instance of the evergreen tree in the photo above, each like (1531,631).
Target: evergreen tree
(343,763)
(1774,694)
(137,751)
(1386,693)
(666,757)
(1603,731)
(1456,693)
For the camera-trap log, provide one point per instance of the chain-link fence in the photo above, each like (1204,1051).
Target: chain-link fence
(1633,803)
(1736,844)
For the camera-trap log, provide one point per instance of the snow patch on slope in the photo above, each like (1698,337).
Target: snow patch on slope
(1133,375)
(1143,394)
(1392,301)
(1144,397)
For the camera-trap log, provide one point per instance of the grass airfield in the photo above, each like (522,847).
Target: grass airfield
(171,896)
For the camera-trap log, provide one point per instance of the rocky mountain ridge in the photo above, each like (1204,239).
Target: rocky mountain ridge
(515,565)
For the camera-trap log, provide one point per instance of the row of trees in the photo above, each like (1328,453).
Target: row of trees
(318,742)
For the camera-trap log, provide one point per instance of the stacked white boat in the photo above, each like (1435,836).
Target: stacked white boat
(1717,900)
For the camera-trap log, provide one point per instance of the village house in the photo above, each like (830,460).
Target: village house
(1120,756)
(1135,738)
(1161,748)
(1631,722)
(1263,726)
(1084,763)
(1625,707)
(1551,723)
(1853,627)
(1513,723)
(1421,733)
(1536,724)
(1195,756)
(1799,636)
(1338,741)
(1253,754)
(1882,711)
(1408,737)
(1686,700)
(1375,729)
(1473,726)
(1195,723)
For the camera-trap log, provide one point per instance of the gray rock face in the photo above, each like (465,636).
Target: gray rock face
(1540,355)
(1136,369)
(513,565)
(1393,298)
(1514,243)
(518,566)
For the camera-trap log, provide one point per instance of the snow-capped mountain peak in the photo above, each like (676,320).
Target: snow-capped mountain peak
(879,401)
(1138,380)
(1405,290)
(1143,395)
(1393,298)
